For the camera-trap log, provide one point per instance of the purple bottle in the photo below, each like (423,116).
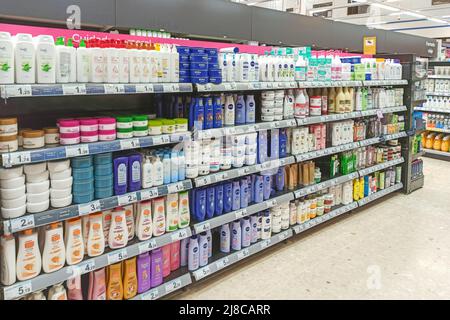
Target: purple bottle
(244,193)
(134,172)
(120,175)
(143,272)
(157,267)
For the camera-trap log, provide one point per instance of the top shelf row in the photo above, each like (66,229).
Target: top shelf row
(74,89)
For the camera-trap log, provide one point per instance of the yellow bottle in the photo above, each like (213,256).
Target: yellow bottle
(438,142)
(129,279)
(361,188)
(356,189)
(332,101)
(445,146)
(114,289)
(340,101)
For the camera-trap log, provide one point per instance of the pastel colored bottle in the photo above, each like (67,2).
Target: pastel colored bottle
(166,168)
(129,220)
(54,253)
(74,241)
(267,186)
(97,285)
(244,193)
(134,172)
(209,238)
(236,235)
(120,175)
(174,167)
(250,109)
(240,110)
(96,239)
(158,172)
(193,253)
(118,231)
(144,223)
(174,255)
(143,272)
(156,273)
(172,214)
(225,238)
(184,249)
(203,249)
(181,166)
(74,288)
(159,217)
(259,189)
(63,63)
(236,196)
(114,288)
(7,260)
(254,228)
(45,59)
(184,215)
(218,199)
(229,111)
(166,260)
(6,58)
(246,230)
(25,58)
(130,282)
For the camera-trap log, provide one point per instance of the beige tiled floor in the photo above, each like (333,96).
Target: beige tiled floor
(398,248)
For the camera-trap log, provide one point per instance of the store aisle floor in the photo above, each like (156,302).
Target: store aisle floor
(394,249)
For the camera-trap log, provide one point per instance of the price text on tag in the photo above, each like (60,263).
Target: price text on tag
(147,246)
(243,254)
(129,144)
(74,89)
(18,290)
(22,223)
(222,263)
(18,91)
(203,272)
(149,194)
(88,266)
(180,234)
(88,208)
(16,158)
(118,256)
(127,199)
(76,151)
(173,285)
(150,295)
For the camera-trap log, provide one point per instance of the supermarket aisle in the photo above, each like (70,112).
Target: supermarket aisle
(393,249)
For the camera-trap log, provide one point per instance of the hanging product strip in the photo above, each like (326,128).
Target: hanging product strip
(44,280)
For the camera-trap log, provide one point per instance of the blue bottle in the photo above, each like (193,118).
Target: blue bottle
(274,144)
(266,186)
(200,204)
(250,189)
(262,146)
(179,108)
(236,196)
(250,109)
(134,172)
(259,189)
(279,179)
(120,175)
(283,143)
(181,166)
(209,113)
(240,110)
(192,113)
(218,197)
(218,113)
(244,193)
(210,205)
(227,197)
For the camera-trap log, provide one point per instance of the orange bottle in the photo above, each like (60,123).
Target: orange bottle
(114,289)
(129,278)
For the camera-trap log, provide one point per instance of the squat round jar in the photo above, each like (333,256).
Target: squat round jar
(33,139)
(168,126)
(51,135)
(8,126)
(69,126)
(154,127)
(20,136)
(124,122)
(106,124)
(8,143)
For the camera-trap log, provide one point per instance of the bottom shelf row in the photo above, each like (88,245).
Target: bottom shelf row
(154,274)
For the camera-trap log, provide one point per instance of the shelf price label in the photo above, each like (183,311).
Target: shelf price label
(150,295)
(19,91)
(173,285)
(114,89)
(74,89)
(147,246)
(16,158)
(160,140)
(172,87)
(144,88)
(202,227)
(22,223)
(203,181)
(86,267)
(91,207)
(175,187)
(129,144)
(76,151)
(117,256)
(127,199)
(222,263)
(265,243)
(203,272)
(149,193)
(241,213)
(17,290)
(243,254)
(179,235)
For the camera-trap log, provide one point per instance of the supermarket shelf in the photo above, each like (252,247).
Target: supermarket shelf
(380,166)
(329,84)
(48,279)
(234,215)
(245,86)
(324,218)
(418,155)
(77,89)
(29,221)
(438,130)
(436,153)
(348,146)
(416,183)
(240,255)
(385,83)
(324,185)
(442,94)
(64,152)
(166,288)
(243,171)
(374,112)
(379,194)
(434,76)
(431,109)
(246,128)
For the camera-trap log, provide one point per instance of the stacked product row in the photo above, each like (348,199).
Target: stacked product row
(51,247)
(199,65)
(123,280)
(436,141)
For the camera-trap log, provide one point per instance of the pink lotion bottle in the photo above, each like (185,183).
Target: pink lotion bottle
(166,260)
(175,256)
(74,289)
